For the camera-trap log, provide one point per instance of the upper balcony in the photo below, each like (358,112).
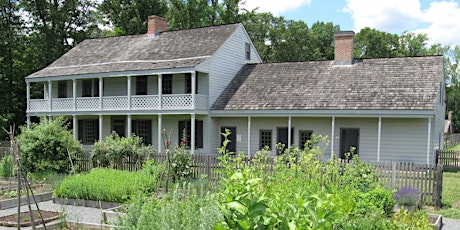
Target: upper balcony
(141,93)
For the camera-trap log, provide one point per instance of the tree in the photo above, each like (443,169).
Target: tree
(12,102)
(372,43)
(130,16)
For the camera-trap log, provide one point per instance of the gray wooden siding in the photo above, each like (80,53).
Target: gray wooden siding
(404,139)
(116,86)
(226,62)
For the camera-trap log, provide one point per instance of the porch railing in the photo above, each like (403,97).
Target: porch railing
(110,103)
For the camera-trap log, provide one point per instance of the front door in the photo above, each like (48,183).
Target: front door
(283,138)
(231,146)
(349,138)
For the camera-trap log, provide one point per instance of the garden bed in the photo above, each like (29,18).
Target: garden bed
(13,202)
(436,221)
(85,203)
(25,221)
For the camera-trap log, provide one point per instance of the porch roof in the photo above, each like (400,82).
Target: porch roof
(411,83)
(171,49)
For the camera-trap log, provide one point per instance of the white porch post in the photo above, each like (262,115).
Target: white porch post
(332,135)
(160,90)
(129,91)
(74,127)
(289,132)
(192,134)
(100,93)
(28,122)
(28,99)
(428,144)
(159,132)
(130,131)
(193,89)
(50,102)
(74,94)
(379,135)
(100,126)
(249,136)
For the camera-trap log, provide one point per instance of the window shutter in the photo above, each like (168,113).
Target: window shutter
(134,127)
(96,134)
(149,133)
(182,126)
(81,124)
(199,134)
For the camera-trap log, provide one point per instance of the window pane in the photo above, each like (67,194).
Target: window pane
(304,136)
(265,139)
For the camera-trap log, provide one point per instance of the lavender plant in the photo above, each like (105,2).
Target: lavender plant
(409,196)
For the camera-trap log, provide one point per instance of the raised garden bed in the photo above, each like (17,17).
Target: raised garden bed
(112,215)
(85,203)
(436,221)
(25,220)
(13,202)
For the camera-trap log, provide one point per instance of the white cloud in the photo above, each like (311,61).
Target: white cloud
(439,21)
(276,7)
(443,19)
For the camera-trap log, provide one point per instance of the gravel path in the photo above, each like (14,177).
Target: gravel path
(450,224)
(74,213)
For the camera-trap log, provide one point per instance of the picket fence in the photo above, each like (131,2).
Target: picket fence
(450,159)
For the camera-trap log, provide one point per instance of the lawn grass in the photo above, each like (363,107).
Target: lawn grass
(450,196)
(454,147)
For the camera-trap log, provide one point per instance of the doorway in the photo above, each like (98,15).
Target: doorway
(231,146)
(349,138)
(283,138)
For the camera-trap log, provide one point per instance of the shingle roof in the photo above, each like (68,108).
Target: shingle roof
(172,49)
(369,84)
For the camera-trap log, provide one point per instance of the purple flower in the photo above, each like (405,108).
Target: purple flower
(407,196)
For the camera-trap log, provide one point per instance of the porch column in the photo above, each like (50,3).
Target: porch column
(74,127)
(160,90)
(50,102)
(28,122)
(193,89)
(379,135)
(129,91)
(332,135)
(100,92)
(192,134)
(129,125)
(100,127)
(28,99)
(74,94)
(249,136)
(160,133)
(289,132)
(428,144)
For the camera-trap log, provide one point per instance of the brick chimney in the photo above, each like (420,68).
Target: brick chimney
(156,24)
(344,48)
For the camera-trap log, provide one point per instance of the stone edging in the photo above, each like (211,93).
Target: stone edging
(85,203)
(11,203)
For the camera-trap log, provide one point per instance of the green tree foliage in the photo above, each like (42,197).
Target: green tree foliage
(46,146)
(130,16)
(12,101)
(372,43)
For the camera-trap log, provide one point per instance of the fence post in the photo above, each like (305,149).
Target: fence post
(437,186)
(393,175)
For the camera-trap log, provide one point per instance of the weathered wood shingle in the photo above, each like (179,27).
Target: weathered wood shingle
(172,49)
(370,84)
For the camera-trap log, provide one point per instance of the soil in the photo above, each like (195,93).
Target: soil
(457,204)
(12,220)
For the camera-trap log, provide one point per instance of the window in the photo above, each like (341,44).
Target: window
(231,146)
(88,131)
(304,136)
(185,127)
(166,84)
(265,139)
(141,85)
(118,126)
(62,89)
(90,88)
(143,129)
(248,51)
(188,83)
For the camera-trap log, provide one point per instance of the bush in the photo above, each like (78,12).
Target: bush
(5,166)
(46,146)
(115,149)
(109,184)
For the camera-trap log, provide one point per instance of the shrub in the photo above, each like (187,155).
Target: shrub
(5,166)
(46,146)
(181,164)
(115,149)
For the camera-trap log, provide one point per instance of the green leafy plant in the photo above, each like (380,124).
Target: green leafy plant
(48,146)
(6,165)
(115,149)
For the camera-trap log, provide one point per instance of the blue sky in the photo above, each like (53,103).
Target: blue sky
(439,19)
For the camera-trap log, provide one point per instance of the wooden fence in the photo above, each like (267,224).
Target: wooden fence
(394,175)
(450,159)
(451,139)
